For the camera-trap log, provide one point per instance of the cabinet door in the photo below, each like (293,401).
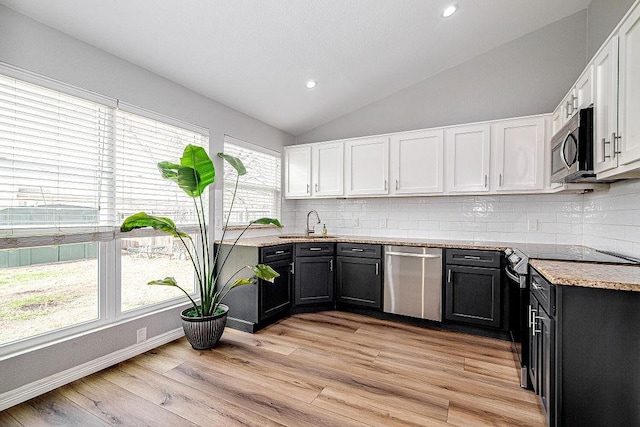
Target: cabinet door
(629,89)
(417,162)
(467,158)
(359,281)
(546,359)
(605,106)
(473,295)
(313,277)
(520,154)
(297,171)
(583,90)
(534,342)
(275,297)
(367,166)
(556,120)
(328,172)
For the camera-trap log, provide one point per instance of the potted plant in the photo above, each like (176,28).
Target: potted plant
(204,321)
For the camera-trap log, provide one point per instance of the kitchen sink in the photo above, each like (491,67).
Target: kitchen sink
(304,236)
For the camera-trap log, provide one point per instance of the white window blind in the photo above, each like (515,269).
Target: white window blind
(141,143)
(55,160)
(258,192)
(70,165)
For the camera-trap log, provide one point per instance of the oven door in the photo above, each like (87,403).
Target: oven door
(564,156)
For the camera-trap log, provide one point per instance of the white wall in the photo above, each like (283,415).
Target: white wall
(30,45)
(527,76)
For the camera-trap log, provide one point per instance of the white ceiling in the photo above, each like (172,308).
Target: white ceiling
(256,55)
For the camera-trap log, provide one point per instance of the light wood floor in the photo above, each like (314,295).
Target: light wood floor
(328,369)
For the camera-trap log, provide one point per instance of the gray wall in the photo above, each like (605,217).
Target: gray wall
(529,75)
(602,17)
(30,45)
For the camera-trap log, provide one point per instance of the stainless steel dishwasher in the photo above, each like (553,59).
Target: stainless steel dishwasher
(413,282)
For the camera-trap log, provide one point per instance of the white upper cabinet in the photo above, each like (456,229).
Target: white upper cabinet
(416,162)
(629,89)
(583,90)
(557,119)
(467,153)
(519,156)
(327,168)
(617,103)
(605,113)
(297,171)
(367,166)
(580,96)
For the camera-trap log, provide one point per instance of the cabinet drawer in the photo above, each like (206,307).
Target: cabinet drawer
(544,292)
(359,250)
(474,258)
(276,253)
(314,249)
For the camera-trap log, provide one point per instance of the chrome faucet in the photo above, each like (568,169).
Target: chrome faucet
(309,229)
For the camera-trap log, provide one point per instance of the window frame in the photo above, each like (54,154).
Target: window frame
(228,139)
(107,238)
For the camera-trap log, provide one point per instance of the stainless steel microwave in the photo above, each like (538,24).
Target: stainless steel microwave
(572,149)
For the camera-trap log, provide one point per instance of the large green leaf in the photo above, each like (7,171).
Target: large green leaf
(265,272)
(142,220)
(167,281)
(235,162)
(169,170)
(241,282)
(196,170)
(267,221)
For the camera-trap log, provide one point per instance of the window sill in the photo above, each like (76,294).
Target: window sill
(253,227)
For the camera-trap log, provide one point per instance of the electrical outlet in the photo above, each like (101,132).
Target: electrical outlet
(355,222)
(532,225)
(383,223)
(141,335)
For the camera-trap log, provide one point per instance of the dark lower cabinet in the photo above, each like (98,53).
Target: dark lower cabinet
(542,346)
(587,347)
(314,274)
(252,307)
(359,275)
(473,295)
(275,298)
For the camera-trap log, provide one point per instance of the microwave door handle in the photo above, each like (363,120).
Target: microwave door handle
(564,144)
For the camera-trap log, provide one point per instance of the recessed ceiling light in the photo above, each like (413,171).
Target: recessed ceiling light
(311,84)
(450,10)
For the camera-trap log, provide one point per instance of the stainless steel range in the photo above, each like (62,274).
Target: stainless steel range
(517,270)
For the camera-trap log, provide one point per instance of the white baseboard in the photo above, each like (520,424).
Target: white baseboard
(44,385)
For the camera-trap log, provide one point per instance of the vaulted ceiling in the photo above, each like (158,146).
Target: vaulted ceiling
(256,55)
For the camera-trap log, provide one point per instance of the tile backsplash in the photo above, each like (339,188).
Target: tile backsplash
(611,219)
(603,220)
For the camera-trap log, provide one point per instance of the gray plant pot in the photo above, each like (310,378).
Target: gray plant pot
(204,333)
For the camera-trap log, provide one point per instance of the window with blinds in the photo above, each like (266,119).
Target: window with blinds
(56,159)
(258,193)
(71,165)
(141,143)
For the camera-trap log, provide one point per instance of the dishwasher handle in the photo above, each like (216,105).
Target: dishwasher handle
(408,254)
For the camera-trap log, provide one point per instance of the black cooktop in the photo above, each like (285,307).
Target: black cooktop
(577,254)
